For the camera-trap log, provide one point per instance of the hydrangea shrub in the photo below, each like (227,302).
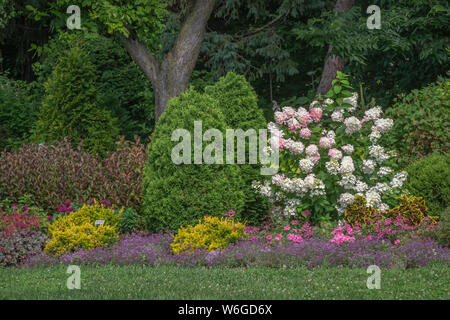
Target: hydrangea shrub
(328,156)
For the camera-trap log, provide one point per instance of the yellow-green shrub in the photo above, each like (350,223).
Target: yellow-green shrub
(212,233)
(78,230)
(87,236)
(97,211)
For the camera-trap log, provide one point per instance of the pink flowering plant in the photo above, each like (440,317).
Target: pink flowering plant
(287,233)
(327,156)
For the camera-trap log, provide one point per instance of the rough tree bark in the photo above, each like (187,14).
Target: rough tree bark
(333,63)
(171,76)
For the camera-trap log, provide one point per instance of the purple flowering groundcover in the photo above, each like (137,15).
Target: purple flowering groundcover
(155,250)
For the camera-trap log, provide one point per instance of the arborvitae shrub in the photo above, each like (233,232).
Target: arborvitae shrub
(122,87)
(430,179)
(71,109)
(239,103)
(177,195)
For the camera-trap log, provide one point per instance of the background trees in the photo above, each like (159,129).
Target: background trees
(281,47)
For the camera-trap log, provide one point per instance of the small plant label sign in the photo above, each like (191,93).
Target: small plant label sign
(102,222)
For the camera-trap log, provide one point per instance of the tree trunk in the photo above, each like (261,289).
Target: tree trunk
(333,63)
(171,77)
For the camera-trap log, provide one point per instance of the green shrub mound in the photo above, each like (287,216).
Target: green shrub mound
(421,121)
(71,109)
(180,194)
(239,103)
(430,178)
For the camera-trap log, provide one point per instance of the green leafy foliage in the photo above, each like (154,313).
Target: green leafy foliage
(430,178)
(18,111)
(408,52)
(180,194)
(70,107)
(131,221)
(421,121)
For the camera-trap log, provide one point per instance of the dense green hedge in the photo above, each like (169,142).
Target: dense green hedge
(430,179)
(421,121)
(180,194)
(239,103)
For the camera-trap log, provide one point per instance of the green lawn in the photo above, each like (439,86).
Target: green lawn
(137,282)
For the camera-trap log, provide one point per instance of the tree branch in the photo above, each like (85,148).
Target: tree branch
(252,32)
(143,57)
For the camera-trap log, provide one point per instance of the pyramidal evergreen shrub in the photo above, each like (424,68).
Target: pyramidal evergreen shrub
(178,195)
(239,103)
(70,107)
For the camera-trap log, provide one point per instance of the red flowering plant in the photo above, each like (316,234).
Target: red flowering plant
(16,219)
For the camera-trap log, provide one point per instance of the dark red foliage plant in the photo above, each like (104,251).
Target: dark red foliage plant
(53,174)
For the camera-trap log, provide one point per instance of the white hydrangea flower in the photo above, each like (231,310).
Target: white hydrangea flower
(368,166)
(384,171)
(306,165)
(319,188)
(377,152)
(399,179)
(277,179)
(384,125)
(373,199)
(348,181)
(331,134)
(296,147)
(337,116)
(374,136)
(347,165)
(381,187)
(361,186)
(332,167)
(352,125)
(309,181)
(346,199)
(348,149)
(312,150)
(374,113)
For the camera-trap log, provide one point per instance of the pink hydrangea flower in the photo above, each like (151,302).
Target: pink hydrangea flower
(316,114)
(305,133)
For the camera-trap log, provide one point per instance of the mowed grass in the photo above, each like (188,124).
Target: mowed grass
(164,282)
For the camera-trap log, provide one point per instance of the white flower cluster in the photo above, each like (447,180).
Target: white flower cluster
(294,135)
(348,149)
(352,125)
(384,125)
(378,153)
(374,113)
